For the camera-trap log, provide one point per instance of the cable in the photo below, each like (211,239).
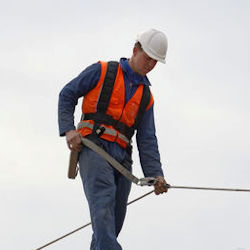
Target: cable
(74,231)
(212,188)
(60,238)
(168,186)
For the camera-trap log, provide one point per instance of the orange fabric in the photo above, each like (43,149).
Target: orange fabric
(116,107)
(109,138)
(121,142)
(90,100)
(132,107)
(85,131)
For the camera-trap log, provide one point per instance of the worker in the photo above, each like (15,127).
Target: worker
(105,188)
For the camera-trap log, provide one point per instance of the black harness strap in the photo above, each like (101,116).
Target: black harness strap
(143,105)
(104,98)
(107,87)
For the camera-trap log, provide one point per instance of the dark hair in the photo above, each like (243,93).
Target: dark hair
(138,45)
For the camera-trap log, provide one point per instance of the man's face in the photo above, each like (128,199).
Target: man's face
(143,63)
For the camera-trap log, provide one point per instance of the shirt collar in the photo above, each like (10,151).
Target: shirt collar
(133,77)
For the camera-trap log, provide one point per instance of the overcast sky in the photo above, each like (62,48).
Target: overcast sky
(202,113)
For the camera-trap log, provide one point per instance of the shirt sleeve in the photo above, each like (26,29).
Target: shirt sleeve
(69,95)
(148,146)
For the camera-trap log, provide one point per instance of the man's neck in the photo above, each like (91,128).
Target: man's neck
(131,64)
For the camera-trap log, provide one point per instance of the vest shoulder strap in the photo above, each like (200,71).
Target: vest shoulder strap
(107,87)
(146,95)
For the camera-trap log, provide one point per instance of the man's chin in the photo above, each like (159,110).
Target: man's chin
(144,72)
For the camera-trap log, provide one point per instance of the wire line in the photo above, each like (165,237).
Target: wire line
(212,188)
(78,229)
(146,194)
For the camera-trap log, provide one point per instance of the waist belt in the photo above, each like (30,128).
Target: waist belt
(108,131)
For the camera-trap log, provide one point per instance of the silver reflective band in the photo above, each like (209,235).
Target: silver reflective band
(85,125)
(110,131)
(123,137)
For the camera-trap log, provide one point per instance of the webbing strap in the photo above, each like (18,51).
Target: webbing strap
(108,131)
(147,181)
(111,160)
(143,105)
(107,87)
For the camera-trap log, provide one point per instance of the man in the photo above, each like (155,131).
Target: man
(112,128)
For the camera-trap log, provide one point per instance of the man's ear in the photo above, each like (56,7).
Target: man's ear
(135,50)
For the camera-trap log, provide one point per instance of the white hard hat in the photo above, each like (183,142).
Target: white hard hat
(154,43)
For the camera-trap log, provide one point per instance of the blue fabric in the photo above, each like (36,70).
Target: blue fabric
(148,146)
(107,193)
(131,79)
(69,95)
(107,190)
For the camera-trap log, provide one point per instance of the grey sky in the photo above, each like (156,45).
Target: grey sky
(202,111)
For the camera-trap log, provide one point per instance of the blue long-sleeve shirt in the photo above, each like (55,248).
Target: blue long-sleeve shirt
(145,134)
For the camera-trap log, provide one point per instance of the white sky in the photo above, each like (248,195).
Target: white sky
(202,110)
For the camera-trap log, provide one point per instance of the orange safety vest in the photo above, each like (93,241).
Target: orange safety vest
(105,105)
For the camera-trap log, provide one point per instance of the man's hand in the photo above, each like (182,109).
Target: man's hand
(74,141)
(160,185)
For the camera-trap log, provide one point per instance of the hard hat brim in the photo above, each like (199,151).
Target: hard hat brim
(153,56)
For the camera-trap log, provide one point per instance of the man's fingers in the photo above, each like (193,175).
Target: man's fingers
(74,141)
(160,186)
(78,139)
(160,191)
(75,146)
(73,138)
(78,147)
(70,146)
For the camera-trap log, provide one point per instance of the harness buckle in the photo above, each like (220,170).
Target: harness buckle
(100,130)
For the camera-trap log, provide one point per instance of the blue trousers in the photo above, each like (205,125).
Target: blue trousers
(107,193)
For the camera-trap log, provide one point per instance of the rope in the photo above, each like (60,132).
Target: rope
(212,188)
(141,197)
(74,231)
(60,238)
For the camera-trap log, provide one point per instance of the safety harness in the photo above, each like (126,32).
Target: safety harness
(101,116)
